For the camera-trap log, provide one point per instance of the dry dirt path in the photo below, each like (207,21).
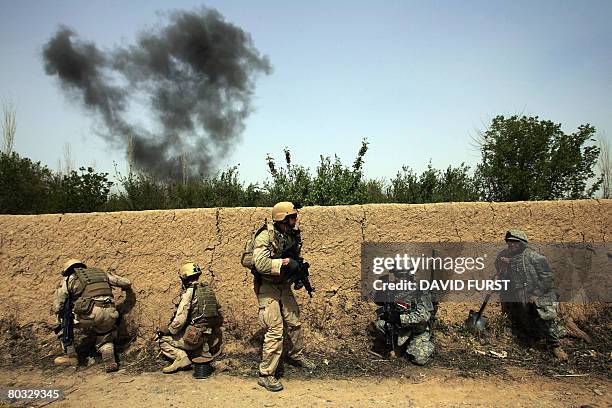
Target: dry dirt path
(93,388)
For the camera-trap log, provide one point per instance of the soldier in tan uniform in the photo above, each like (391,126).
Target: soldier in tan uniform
(196,325)
(274,253)
(90,290)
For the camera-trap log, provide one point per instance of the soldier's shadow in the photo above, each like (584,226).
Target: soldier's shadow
(127,327)
(85,346)
(126,302)
(256,340)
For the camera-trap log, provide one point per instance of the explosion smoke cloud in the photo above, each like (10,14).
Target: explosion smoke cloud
(197,73)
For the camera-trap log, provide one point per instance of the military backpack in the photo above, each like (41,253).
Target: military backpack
(247,254)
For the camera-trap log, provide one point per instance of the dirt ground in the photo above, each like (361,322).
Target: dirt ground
(496,369)
(91,387)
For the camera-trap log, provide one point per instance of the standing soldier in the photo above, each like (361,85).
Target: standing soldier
(90,292)
(531,303)
(196,325)
(275,251)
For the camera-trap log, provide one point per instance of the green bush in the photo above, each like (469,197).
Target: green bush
(86,191)
(523,158)
(433,186)
(27,187)
(332,184)
(24,185)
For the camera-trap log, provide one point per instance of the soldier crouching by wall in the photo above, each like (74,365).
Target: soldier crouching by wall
(405,325)
(88,292)
(196,326)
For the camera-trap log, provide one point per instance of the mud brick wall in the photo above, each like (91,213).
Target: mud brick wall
(149,246)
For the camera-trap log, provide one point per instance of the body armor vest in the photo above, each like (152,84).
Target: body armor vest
(91,283)
(292,245)
(281,246)
(205,310)
(523,275)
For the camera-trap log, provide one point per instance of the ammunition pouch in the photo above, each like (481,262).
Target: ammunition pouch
(83,306)
(193,335)
(546,308)
(214,321)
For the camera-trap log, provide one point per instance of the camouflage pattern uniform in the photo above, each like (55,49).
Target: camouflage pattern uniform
(277,304)
(198,335)
(96,316)
(531,303)
(415,327)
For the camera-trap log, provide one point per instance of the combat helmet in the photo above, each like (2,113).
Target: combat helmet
(69,264)
(283,209)
(188,270)
(516,235)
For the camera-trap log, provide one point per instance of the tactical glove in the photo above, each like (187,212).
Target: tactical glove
(290,271)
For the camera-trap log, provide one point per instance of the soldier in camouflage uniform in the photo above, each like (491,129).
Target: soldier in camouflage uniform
(94,308)
(275,248)
(196,325)
(531,303)
(413,320)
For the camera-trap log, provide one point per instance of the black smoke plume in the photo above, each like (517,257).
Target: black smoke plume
(195,75)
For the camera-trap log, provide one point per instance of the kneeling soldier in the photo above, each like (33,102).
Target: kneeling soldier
(196,325)
(406,326)
(88,292)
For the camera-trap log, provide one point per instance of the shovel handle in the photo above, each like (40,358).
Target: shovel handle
(484,304)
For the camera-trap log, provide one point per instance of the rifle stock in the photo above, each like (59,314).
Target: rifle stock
(66,324)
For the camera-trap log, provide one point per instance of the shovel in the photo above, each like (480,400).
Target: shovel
(476,322)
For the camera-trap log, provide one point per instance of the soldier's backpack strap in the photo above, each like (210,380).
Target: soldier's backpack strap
(271,235)
(270,228)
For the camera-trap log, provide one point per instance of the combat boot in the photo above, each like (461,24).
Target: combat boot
(108,357)
(177,365)
(302,362)
(559,353)
(69,360)
(270,383)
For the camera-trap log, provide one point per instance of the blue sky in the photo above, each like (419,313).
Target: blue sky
(416,78)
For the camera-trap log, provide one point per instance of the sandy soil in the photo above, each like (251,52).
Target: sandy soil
(91,387)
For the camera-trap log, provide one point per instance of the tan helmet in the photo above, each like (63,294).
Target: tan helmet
(70,263)
(282,210)
(516,235)
(189,269)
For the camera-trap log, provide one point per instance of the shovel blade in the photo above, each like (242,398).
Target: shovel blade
(476,323)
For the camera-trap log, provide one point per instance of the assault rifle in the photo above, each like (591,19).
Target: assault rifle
(390,313)
(66,324)
(302,279)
